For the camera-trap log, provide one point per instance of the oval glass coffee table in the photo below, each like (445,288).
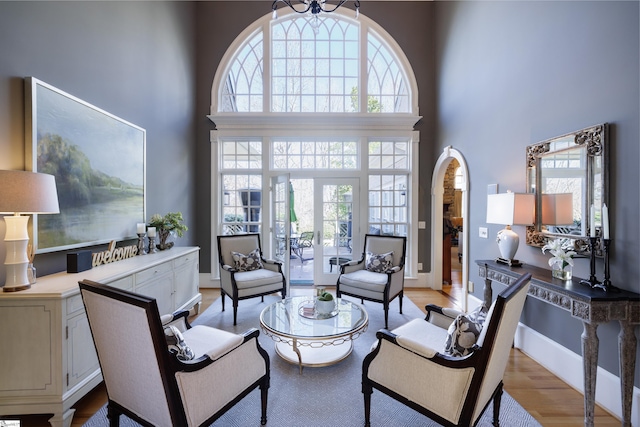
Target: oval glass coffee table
(307,338)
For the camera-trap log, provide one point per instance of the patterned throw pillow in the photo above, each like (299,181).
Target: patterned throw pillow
(464,331)
(176,344)
(248,262)
(379,263)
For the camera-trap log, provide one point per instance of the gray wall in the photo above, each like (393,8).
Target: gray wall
(133,59)
(515,73)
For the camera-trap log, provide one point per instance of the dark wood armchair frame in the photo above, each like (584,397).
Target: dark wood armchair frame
(386,297)
(477,360)
(235,295)
(169,364)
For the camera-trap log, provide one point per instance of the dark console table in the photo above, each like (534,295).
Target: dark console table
(592,307)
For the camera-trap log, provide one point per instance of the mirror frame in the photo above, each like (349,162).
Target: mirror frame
(594,140)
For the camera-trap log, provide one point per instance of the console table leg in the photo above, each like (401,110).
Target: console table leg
(590,345)
(627,343)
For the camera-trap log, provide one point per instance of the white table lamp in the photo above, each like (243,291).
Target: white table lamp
(23,192)
(510,209)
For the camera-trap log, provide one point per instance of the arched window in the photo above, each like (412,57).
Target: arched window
(336,99)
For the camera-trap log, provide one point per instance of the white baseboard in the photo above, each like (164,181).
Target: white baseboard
(567,365)
(208,281)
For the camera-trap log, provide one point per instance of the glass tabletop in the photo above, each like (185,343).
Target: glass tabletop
(286,318)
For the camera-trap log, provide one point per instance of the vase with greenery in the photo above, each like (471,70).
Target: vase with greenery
(170,224)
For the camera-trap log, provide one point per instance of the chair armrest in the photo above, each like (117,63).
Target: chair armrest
(351,266)
(394,269)
(440,316)
(427,352)
(271,261)
(217,342)
(228,268)
(407,343)
(177,319)
(249,334)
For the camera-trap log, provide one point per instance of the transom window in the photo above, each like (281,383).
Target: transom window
(316,155)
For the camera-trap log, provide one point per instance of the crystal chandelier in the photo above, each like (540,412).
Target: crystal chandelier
(314,6)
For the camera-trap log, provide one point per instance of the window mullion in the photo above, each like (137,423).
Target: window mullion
(266,72)
(363,77)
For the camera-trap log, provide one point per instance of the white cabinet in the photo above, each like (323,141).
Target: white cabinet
(48,360)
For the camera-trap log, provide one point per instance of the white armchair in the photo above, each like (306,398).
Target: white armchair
(154,385)
(379,275)
(410,363)
(244,273)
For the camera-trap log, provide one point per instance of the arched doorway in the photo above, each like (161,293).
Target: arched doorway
(438,216)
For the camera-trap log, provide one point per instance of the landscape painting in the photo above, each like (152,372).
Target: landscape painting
(98,161)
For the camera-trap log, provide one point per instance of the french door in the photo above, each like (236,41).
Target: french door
(281,223)
(336,225)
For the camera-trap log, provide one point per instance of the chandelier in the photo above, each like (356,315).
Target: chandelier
(314,6)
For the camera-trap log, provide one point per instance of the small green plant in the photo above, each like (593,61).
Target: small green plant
(170,222)
(325,296)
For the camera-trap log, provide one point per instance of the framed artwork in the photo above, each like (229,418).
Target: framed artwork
(98,161)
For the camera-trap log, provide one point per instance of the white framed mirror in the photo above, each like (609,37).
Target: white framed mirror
(568,174)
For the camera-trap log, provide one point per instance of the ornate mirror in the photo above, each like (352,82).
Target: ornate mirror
(568,174)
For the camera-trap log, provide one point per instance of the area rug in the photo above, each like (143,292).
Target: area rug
(327,396)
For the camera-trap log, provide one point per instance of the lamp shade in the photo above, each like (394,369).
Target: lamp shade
(510,208)
(28,193)
(557,209)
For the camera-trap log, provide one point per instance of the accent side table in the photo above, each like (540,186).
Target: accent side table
(592,307)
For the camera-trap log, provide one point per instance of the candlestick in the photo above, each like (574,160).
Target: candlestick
(592,222)
(606,284)
(605,222)
(592,282)
(152,243)
(141,248)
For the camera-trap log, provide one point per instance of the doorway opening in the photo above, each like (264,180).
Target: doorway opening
(302,260)
(323,218)
(450,167)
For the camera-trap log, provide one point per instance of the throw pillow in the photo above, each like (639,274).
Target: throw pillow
(248,262)
(479,314)
(176,344)
(379,263)
(462,336)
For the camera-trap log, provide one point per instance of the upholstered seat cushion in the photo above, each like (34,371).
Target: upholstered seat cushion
(211,341)
(254,278)
(421,336)
(365,279)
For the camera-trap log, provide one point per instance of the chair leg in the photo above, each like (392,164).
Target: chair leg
(264,389)
(367,390)
(400,297)
(222,295)
(496,406)
(113,416)
(262,298)
(385,306)
(235,312)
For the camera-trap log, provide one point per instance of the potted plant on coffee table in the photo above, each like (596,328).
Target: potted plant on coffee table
(325,303)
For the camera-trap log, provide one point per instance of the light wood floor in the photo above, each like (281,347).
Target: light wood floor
(544,396)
